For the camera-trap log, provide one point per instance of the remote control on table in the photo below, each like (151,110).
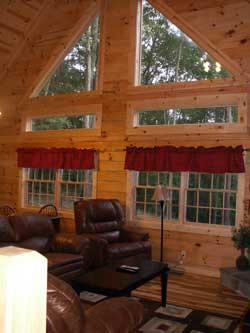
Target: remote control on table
(129,269)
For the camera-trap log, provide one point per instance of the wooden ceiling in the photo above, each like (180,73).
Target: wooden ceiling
(34,32)
(17,21)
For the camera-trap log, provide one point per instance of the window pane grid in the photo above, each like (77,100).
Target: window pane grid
(40,187)
(213,201)
(204,198)
(146,183)
(75,185)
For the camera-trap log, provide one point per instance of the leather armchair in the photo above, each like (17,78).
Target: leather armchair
(103,221)
(65,312)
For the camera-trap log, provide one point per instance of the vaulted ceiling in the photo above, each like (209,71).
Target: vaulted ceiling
(34,32)
(32,35)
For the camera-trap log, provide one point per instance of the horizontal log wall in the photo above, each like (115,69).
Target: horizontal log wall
(205,253)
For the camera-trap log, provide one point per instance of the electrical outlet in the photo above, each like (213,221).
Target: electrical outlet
(183,254)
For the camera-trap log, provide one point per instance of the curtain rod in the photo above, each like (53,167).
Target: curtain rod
(104,150)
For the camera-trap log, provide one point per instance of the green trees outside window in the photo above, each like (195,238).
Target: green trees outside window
(66,122)
(78,72)
(178,116)
(168,55)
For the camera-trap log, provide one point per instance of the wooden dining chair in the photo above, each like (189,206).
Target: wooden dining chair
(7,210)
(48,210)
(51,211)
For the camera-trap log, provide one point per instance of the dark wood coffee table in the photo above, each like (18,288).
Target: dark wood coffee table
(108,281)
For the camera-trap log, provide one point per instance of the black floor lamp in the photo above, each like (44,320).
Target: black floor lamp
(161,194)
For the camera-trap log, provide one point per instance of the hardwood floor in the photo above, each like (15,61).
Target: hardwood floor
(197,292)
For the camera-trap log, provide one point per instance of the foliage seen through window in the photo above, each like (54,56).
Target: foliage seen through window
(168,55)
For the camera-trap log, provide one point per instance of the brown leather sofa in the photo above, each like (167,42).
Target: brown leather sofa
(103,221)
(65,312)
(67,254)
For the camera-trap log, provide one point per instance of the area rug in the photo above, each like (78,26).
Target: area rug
(176,319)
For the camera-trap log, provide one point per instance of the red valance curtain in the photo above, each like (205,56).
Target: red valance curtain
(56,158)
(169,158)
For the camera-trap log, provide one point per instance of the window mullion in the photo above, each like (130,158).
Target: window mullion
(57,187)
(183,189)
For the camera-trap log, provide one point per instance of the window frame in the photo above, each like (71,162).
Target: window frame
(95,109)
(239,100)
(181,224)
(57,183)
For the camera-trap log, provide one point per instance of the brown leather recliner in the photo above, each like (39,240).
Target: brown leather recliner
(65,313)
(103,221)
(67,254)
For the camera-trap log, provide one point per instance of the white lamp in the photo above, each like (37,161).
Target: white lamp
(23,289)
(161,194)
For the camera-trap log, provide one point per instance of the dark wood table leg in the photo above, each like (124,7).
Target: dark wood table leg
(164,279)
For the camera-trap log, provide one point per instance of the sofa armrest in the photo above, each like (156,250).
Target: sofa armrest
(98,248)
(127,312)
(70,243)
(133,236)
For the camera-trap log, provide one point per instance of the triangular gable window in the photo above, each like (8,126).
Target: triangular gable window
(78,71)
(168,55)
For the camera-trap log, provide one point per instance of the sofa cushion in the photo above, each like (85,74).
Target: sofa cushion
(121,250)
(110,237)
(40,244)
(31,225)
(6,230)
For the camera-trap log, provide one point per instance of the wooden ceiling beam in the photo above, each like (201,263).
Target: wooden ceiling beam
(25,35)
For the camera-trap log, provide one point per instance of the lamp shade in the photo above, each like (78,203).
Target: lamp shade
(23,291)
(161,193)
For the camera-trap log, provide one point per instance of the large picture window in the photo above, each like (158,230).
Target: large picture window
(56,186)
(195,198)
(167,54)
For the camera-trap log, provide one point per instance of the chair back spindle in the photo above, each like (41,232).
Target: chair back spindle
(7,210)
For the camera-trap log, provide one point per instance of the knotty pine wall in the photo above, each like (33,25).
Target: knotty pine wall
(205,253)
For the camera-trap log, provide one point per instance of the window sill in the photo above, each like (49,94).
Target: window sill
(215,230)
(186,129)
(83,132)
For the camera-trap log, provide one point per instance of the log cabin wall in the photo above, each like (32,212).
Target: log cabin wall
(206,252)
